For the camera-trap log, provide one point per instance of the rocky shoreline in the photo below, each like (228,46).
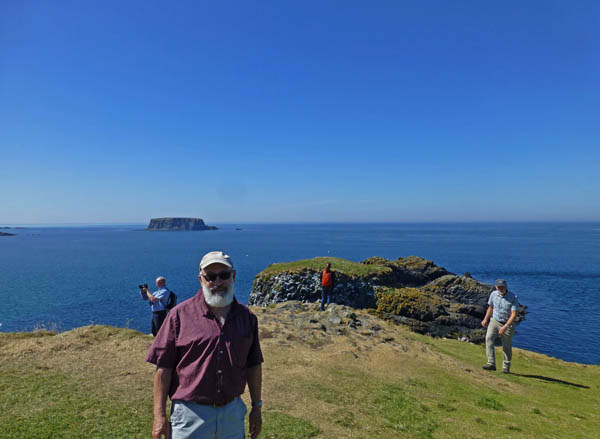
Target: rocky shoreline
(411,291)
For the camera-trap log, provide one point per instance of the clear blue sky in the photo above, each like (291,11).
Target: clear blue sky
(119,111)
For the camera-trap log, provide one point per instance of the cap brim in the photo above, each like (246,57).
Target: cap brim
(216,261)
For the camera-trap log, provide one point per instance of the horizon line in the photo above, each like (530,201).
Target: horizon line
(109,223)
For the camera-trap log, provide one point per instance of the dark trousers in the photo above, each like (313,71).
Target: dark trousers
(158,317)
(325,294)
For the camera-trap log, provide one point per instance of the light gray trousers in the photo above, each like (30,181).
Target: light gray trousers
(490,342)
(195,421)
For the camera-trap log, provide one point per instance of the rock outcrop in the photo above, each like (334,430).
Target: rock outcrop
(411,291)
(178,224)
(6,234)
(305,286)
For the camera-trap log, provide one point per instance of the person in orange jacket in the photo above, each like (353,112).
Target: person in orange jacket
(327,282)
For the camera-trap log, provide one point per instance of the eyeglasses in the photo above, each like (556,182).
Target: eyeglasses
(211,277)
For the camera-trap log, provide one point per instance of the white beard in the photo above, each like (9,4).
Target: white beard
(215,299)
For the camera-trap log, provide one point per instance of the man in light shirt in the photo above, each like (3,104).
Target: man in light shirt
(158,303)
(499,320)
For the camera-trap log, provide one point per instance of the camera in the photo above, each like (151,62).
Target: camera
(141,287)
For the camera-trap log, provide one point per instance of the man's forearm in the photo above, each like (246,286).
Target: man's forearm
(254,377)
(513,316)
(162,383)
(488,313)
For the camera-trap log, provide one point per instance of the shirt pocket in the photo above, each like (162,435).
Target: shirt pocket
(240,347)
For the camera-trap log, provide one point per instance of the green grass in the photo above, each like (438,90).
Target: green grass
(536,400)
(489,402)
(318,264)
(352,397)
(93,383)
(39,403)
(278,425)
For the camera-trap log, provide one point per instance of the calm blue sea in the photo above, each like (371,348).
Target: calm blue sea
(67,277)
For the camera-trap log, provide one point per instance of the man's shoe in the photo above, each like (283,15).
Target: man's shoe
(489,367)
(505,370)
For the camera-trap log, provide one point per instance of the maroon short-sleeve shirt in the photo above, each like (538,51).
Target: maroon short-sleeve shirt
(209,362)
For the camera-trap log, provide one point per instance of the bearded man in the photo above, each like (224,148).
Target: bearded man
(205,353)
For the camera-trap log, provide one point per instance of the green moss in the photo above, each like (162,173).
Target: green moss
(409,302)
(415,263)
(449,281)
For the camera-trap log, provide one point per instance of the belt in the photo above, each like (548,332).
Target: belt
(219,404)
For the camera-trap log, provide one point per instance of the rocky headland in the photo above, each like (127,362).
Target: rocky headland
(411,291)
(6,234)
(178,224)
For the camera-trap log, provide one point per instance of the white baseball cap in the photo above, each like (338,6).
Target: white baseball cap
(216,257)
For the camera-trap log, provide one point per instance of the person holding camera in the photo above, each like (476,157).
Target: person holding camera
(158,302)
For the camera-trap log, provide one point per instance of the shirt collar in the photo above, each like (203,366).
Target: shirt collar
(503,295)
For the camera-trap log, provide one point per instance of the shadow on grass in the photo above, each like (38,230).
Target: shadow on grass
(551,380)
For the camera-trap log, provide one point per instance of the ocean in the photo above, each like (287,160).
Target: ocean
(65,277)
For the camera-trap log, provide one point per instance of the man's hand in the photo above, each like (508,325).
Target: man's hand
(150,296)
(502,330)
(161,428)
(255,419)
(484,323)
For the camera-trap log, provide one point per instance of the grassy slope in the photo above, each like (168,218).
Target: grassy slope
(317,264)
(93,383)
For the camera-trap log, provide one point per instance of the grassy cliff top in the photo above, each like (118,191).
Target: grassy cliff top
(318,264)
(322,379)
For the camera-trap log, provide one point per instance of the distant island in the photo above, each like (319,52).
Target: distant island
(6,234)
(179,224)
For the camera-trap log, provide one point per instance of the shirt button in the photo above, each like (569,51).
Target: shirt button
(219,371)
(218,390)
(220,352)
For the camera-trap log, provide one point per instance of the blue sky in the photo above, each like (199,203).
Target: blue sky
(119,111)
